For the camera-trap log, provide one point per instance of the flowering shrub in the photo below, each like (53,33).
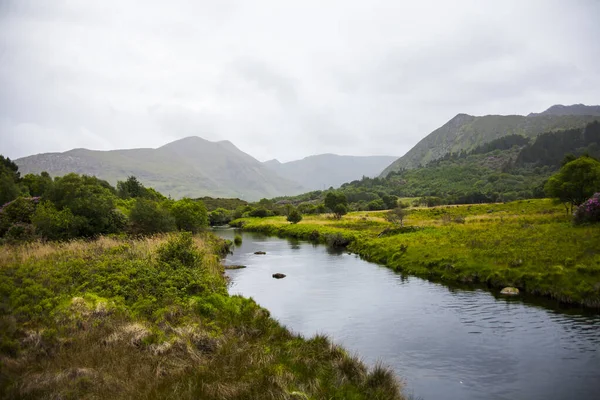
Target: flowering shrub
(588,211)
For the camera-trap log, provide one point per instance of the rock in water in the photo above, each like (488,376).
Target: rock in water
(260,252)
(510,291)
(234,266)
(278,276)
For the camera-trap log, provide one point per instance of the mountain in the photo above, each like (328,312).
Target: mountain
(326,170)
(575,109)
(509,168)
(190,167)
(465,132)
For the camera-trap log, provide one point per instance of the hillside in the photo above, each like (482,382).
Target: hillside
(190,167)
(329,170)
(509,168)
(466,132)
(575,109)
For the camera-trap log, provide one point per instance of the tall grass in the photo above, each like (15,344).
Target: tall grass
(151,318)
(529,244)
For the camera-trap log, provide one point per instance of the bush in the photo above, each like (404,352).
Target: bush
(21,209)
(52,224)
(220,216)
(190,215)
(180,251)
(588,212)
(148,217)
(340,210)
(237,239)
(337,240)
(294,217)
(259,213)
(20,232)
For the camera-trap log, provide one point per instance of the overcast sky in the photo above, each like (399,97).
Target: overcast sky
(282,79)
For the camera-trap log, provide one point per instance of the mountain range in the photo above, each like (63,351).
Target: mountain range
(189,167)
(195,167)
(329,170)
(465,132)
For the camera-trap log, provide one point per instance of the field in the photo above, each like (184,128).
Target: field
(151,318)
(528,244)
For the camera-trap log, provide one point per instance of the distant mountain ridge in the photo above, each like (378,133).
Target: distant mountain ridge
(323,171)
(190,167)
(465,132)
(575,109)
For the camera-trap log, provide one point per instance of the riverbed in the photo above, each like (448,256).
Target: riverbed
(446,343)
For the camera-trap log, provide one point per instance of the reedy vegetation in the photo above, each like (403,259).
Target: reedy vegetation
(151,318)
(529,244)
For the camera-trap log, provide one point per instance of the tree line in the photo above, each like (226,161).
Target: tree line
(73,206)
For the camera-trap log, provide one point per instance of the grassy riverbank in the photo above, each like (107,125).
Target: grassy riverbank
(151,318)
(530,244)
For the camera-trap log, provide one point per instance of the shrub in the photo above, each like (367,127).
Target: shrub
(589,211)
(53,224)
(294,217)
(220,216)
(237,239)
(148,217)
(180,250)
(339,210)
(20,232)
(190,215)
(337,240)
(314,236)
(258,213)
(21,209)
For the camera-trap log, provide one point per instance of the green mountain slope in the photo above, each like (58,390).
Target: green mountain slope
(509,168)
(329,170)
(465,132)
(190,167)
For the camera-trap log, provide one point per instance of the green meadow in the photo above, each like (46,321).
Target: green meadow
(528,244)
(151,318)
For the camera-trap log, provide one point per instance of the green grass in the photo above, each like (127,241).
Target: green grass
(151,318)
(529,244)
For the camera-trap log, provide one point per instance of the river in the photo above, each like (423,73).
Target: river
(446,343)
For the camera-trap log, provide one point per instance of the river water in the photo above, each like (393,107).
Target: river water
(446,343)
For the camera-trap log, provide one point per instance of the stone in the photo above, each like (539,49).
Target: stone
(260,252)
(278,276)
(234,266)
(510,291)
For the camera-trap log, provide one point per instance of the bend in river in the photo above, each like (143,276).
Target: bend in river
(446,343)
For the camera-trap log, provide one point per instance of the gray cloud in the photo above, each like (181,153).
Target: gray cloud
(282,79)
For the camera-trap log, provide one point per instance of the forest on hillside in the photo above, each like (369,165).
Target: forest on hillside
(510,168)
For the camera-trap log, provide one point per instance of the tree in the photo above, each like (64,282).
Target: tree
(340,210)
(148,217)
(220,216)
(294,217)
(38,185)
(190,215)
(396,216)
(576,181)
(377,204)
(130,188)
(9,180)
(334,200)
(90,198)
(52,224)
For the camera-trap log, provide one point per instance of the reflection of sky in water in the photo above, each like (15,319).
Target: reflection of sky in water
(447,343)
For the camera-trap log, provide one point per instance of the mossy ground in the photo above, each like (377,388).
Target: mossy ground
(529,244)
(151,318)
